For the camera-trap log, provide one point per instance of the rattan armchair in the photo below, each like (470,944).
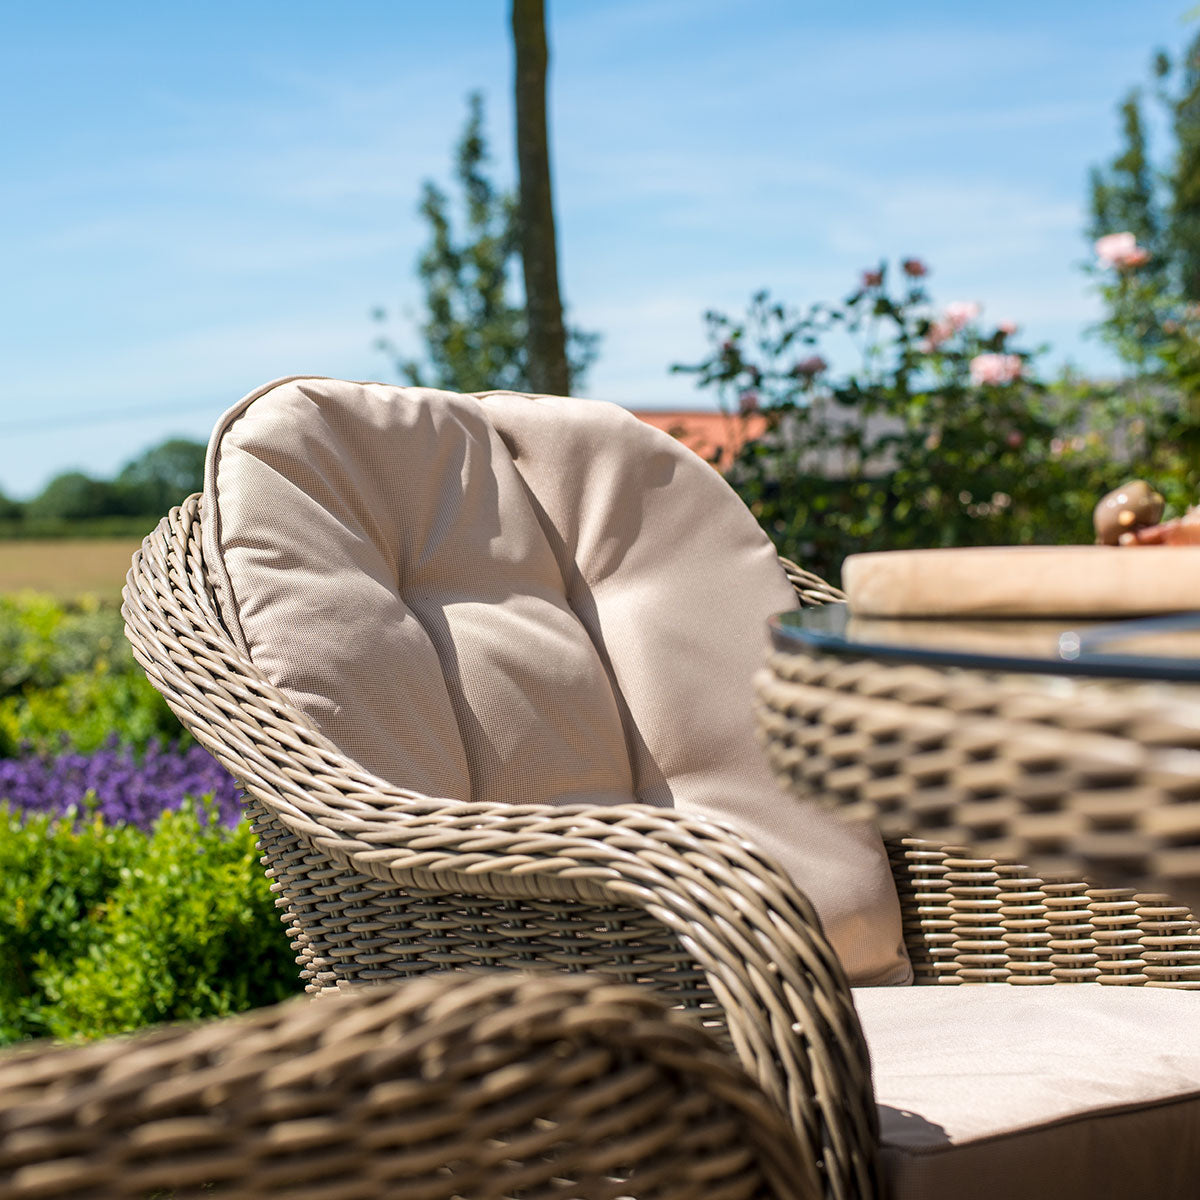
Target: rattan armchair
(377,882)
(492,1086)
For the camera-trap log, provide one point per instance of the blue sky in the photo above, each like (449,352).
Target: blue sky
(201,197)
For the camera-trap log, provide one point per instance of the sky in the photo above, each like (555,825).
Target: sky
(197,198)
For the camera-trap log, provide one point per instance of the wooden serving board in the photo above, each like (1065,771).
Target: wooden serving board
(1024,581)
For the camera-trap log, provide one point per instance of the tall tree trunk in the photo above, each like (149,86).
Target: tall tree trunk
(547,342)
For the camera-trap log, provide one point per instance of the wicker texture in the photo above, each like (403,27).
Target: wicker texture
(1086,781)
(376,881)
(495,1086)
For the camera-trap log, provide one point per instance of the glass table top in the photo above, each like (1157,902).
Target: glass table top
(1163,647)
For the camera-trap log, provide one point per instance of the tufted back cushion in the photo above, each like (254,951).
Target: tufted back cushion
(520,599)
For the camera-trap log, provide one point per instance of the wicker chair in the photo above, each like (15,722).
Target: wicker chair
(376,881)
(494,1086)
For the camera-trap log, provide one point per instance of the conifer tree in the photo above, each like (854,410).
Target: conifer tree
(1160,206)
(474,328)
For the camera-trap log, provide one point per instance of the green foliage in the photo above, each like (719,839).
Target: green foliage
(10,510)
(1152,299)
(66,671)
(474,331)
(1124,195)
(84,711)
(75,504)
(1185,178)
(104,929)
(943,436)
(1159,204)
(73,495)
(163,476)
(43,642)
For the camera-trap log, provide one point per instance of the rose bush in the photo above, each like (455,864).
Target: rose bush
(941,434)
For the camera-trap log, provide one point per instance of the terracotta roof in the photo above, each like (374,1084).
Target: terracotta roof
(715,436)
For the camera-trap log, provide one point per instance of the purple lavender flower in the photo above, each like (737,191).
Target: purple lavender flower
(118,784)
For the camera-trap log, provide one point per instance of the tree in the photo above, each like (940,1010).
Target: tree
(72,496)
(10,510)
(1185,179)
(547,343)
(1160,205)
(1150,284)
(1123,195)
(474,332)
(161,477)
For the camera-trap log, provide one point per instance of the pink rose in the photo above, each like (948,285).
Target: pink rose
(961,313)
(1120,250)
(914,268)
(806,368)
(1007,328)
(995,368)
(872,279)
(937,333)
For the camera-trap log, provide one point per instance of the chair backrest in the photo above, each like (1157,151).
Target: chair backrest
(521,599)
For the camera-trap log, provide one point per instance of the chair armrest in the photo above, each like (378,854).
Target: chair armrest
(485,1086)
(786,1000)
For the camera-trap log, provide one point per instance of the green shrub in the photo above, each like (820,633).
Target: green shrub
(67,674)
(42,641)
(105,929)
(84,712)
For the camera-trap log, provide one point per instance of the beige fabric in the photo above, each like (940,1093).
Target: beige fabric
(1062,1092)
(522,599)
(1024,581)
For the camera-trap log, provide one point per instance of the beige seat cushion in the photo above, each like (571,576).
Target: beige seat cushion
(1062,1092)
(521,599)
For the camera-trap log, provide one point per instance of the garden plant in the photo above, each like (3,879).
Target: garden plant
(130,887)
(941,433)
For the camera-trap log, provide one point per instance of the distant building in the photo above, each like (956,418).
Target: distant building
(715,436)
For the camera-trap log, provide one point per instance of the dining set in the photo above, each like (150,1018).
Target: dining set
(622,857)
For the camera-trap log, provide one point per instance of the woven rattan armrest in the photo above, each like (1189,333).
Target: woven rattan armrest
(380,881)
(485,1086)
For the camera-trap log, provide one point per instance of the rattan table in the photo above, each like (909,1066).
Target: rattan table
(1071,747)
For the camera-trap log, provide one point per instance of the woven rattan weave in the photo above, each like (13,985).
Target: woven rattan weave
(377,882)
(1087,778)
(494,1086)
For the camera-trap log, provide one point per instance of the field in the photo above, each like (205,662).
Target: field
(66,567)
